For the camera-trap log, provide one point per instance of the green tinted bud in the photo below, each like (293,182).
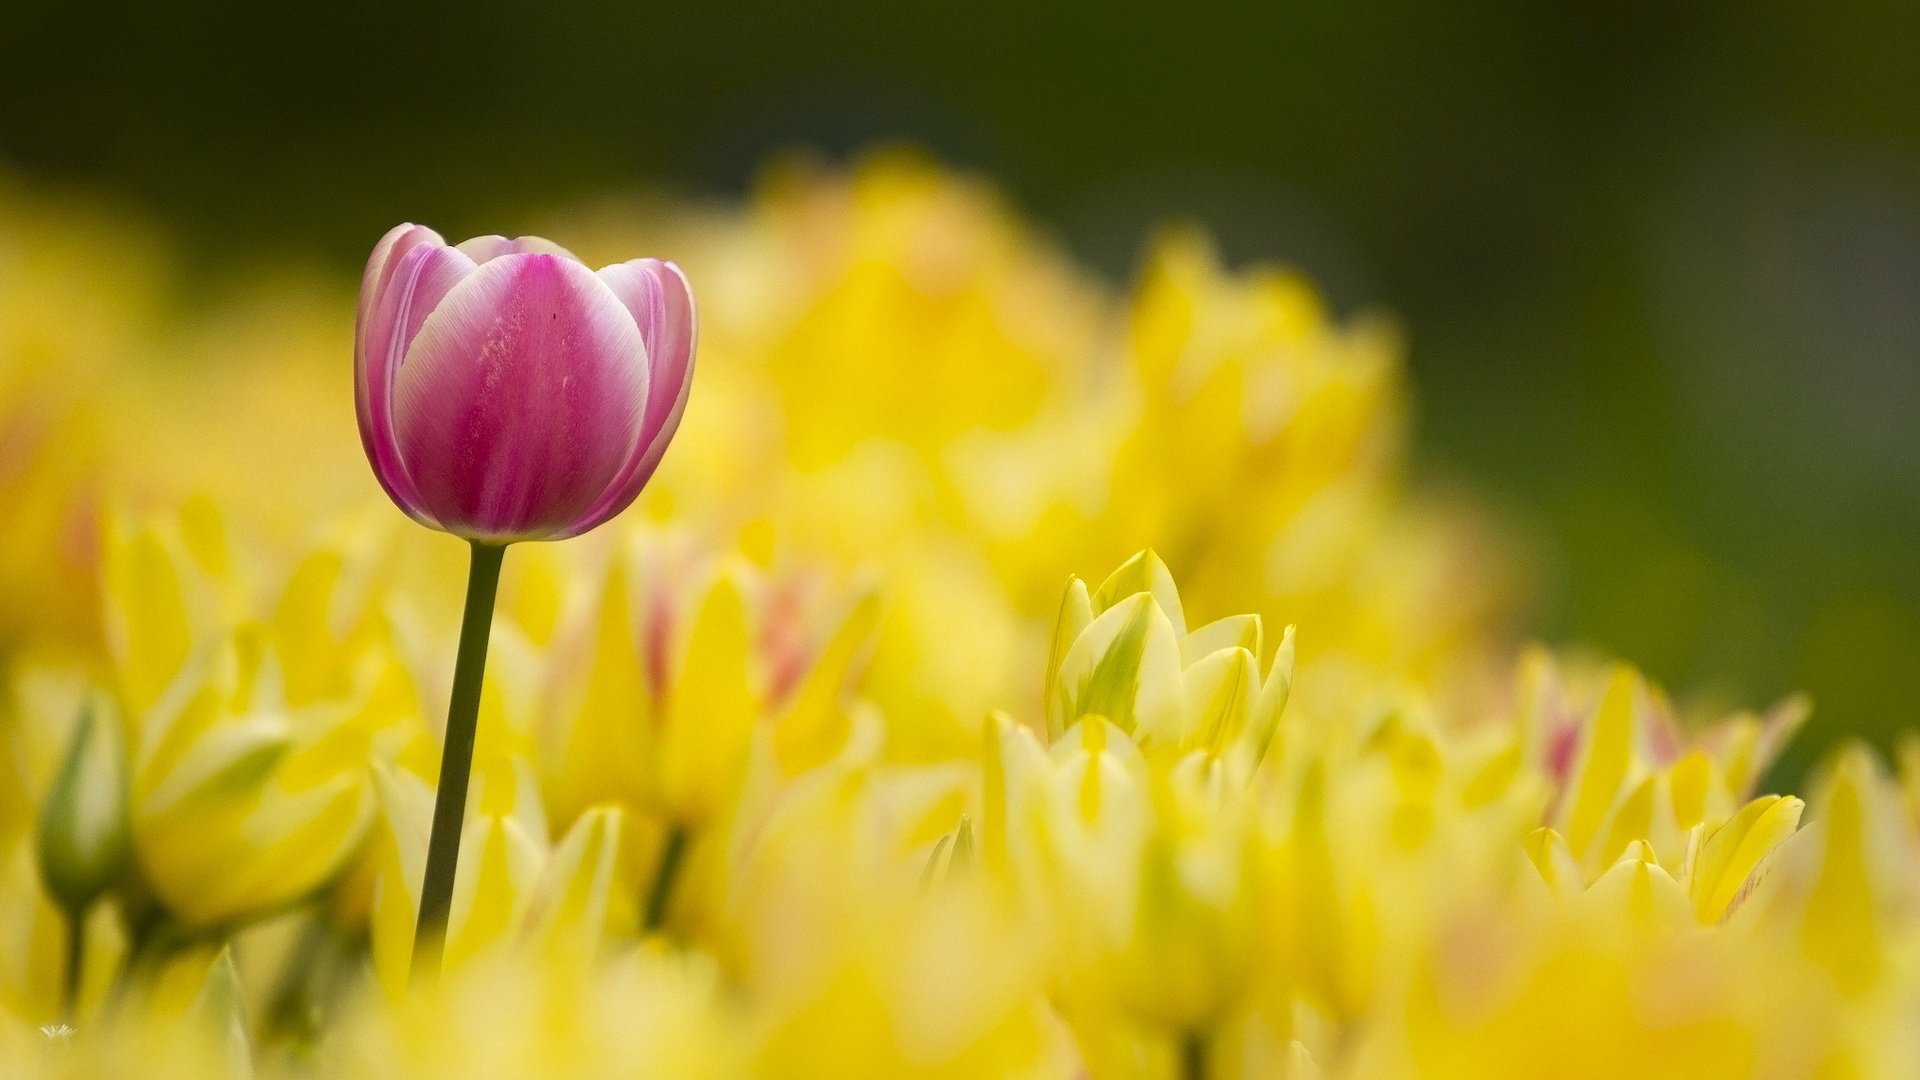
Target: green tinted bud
(220,1009)
(83,838)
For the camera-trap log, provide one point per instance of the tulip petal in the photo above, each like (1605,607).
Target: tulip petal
(386,254)
(484,249)
(415,283)
(408,283)
(1606,761)
(519,399)
(656,293)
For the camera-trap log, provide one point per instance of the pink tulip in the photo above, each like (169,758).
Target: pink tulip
(506,392)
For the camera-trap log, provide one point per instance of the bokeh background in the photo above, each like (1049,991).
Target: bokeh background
(1659,264)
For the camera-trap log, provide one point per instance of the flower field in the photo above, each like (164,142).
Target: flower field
(997,671)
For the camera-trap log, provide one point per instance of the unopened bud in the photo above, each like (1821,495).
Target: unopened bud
(83,823)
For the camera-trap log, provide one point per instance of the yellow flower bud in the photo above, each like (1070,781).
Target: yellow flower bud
(1123,652)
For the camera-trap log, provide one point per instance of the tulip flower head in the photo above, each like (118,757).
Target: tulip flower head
(507,392)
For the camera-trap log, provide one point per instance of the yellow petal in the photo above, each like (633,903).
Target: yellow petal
(1495,775)
(496,887)
(1689,784)
(1076,614)
(580,882)
(603,739)
(1144,573)
(149,624)
(1639,889)
(1219,696)
(1732,853)
(1604,761)
(1549,855)
(1632,820)
(1275,692)
(301,622)
(1234,631)
(711,704)
(1842,929)
(1126,667)
(814,726)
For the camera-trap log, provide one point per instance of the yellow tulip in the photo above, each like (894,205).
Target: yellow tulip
(511,1014)
(516,890)
(1123,652)
(242,804)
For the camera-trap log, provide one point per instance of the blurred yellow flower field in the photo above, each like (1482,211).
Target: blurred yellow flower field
(1005,674)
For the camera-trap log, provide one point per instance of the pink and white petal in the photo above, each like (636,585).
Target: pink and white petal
(411,287)
(414,285)
(520,399)
(658,296)
(396,243)
(483,249)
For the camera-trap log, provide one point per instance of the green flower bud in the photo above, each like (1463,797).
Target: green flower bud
(83,838)
(220,1009)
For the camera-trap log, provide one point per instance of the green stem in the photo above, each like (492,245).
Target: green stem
(672,855)
(151,936)
(76,962)
(1193,1056)
(456,761)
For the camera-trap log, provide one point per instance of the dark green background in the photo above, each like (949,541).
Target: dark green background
(1660,262)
